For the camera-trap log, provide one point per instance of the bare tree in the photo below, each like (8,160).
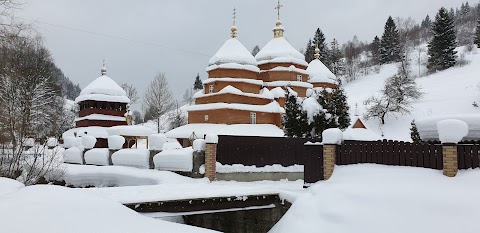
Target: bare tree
(177,118)
(188,96)
(131,91)
(158,99)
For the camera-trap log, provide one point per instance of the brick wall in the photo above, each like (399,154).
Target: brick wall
(270,66)
(210,161)
(450,160)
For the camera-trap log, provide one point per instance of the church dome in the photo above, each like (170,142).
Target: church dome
(319,73)
(103,89)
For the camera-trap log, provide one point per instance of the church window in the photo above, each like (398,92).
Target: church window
(206,117)
(299,77)
(253,118)
(210,89)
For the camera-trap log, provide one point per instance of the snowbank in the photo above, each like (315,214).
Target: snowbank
(97,156)
(174,160)
(428,130)
(378,199)
(73,155)
(156,141)
(119,176)
(48,208)
(8,185)
(69,141)
(116,142)
(130,130)
(139,158)
(452,131)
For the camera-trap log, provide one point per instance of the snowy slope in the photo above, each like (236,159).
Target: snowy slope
(401,199)
(448,92)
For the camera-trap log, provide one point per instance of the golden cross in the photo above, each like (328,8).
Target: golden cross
(278,9)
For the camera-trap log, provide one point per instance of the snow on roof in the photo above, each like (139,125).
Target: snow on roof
(233,66)
(100,117)
(232,90)
(236,80)
(278,92)
(262,130)
(103,85)
(38,205)
(272,107)
(95,131)
(319,73)
(233,51)
(130,130)
(288,83)
(427,127)
(360,134)
(291,68)
(284,60)
(102,97)
(279,48)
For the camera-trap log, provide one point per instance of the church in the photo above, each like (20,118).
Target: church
(251,91)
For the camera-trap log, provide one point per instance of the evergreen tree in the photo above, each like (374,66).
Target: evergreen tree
(390,44)
(441,49)
(477,33)
(334,102)
(255,50)
(414,133)
(318,39)
(294,120)
(427,22)
(335,58)
(375,48)
(198,83)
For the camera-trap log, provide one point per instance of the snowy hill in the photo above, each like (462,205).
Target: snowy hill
(450,92)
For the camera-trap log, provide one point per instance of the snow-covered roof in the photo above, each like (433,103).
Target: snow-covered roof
(264,94)
(319,73)
(101,87)
(360,134)
(104,98)
(95,131)
(236,80)
(233,51)
(130,130)
(291,68)
(287,83)
(233,66)
(279,50)
(278,92)
(101,117)
(272,107)
(261,130)
(427,127)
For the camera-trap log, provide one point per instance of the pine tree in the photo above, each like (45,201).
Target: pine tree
(375,48)
(335,58)
(294,120)
(427,22)
(441,49)
(390,44)
(334,102)
(414,133)
(318,39)
(198,83)
(477,33)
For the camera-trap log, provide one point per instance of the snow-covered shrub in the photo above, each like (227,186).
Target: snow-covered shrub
(462,60)
(156,141)
(199,145)
(88,141)
(115,142)
(332,136)
(452,130)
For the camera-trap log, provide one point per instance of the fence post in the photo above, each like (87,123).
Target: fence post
(450,159)
(211,157)
(331,139)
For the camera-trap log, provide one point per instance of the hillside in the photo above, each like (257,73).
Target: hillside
(452,91)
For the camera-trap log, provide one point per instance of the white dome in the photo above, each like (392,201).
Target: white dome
(279,50)
(232,52)
(103,89)
(319,73)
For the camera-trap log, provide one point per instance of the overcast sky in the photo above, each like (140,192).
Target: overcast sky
(200,27)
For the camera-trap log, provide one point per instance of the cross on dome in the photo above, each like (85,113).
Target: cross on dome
(317,51)
(278,9)
(234,28)
(104,70)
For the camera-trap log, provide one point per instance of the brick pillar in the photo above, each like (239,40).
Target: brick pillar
(329,154)
(450,160)
(210,161)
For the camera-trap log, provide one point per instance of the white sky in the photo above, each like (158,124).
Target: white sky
(197,26)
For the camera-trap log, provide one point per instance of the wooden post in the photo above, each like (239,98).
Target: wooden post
(450,160)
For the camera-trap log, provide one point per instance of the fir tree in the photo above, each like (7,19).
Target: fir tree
(477,33)
(427,22)
(309,52)
(375,48)
(334,102)
(441,49)
(390,44)
(318,39)
(414,133)
(335,58)
(294,120)
(198,83)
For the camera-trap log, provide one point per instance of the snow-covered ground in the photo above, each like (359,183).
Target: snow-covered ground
(9,185)
(49,208)
(450,92)
(377,198)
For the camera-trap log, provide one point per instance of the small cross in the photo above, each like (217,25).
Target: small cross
(278,9)
(234,15)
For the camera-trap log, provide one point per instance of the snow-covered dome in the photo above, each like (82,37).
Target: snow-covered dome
(233,52)
(103,89)
(279,50)
(319,73)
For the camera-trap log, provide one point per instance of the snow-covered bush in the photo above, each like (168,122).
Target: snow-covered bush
(156,141)
(452,130)
(115,142)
